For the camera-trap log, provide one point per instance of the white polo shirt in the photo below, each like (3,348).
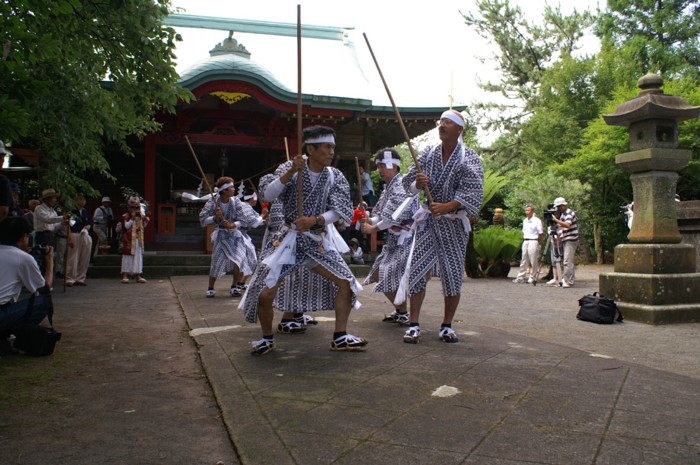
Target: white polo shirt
(17,269)
(532,228)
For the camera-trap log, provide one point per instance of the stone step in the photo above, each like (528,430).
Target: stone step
(157,259)
(149,272)
(164,265)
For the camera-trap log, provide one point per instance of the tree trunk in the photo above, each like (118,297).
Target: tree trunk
(584,251)
(598,242)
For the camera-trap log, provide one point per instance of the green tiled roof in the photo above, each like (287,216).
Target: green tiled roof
(231,66)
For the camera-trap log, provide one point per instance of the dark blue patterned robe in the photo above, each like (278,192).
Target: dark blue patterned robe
(441,242)
(230,246)
(330,192)
(391,262)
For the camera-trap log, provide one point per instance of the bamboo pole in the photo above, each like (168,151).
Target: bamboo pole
(286,148)
(300,179)
(201,171)
(65,257)
(398,116)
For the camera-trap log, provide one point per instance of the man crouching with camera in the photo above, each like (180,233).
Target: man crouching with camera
(19,269)
(568,223)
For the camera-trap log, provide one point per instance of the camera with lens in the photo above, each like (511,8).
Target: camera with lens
(548,214)
(39,253)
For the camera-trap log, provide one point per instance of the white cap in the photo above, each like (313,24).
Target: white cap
(560,201)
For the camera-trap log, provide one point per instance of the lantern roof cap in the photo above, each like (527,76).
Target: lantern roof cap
(651,103)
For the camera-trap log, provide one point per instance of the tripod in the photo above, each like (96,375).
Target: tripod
(554,243)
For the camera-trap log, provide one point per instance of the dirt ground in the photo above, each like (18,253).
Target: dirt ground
(125,386)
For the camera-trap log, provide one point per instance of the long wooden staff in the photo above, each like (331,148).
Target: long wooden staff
(398,116)
(65,257)
(286,148)
(201,171)
(300,179)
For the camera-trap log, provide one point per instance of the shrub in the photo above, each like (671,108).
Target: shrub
(496,247)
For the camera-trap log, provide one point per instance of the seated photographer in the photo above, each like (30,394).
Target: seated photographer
(19,269)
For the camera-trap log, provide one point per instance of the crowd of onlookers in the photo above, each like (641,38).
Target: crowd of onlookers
(40,241)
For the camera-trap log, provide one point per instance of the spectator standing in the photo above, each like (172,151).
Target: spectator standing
(103,222)
(80,245)
(131,226)
(568,222)
(6,202)
(29,216)
(18,211)
(48,224)
(532,235)
(367,187)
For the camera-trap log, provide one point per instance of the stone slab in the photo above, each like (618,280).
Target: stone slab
(655,258)
(651,289)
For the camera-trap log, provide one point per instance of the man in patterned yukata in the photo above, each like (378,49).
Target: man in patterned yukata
(232,251)
(393,213)
(310,240)
(294,319)
(455,178)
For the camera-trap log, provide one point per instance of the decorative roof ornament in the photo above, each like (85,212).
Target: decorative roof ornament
(230,45)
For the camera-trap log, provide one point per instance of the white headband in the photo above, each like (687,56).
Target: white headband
(321,139)
(253,196)
(224,187)
(454,117)
(389,160)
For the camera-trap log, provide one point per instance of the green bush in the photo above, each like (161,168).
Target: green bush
(496,247)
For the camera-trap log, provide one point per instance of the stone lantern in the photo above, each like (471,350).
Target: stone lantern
(654,279)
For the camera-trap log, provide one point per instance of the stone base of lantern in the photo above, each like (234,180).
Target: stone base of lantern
(654,283)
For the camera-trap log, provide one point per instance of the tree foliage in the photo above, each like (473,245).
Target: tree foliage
(525,51)
(557,143)
(80,75)
(656,35)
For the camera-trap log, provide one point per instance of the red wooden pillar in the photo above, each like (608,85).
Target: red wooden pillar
(149,189)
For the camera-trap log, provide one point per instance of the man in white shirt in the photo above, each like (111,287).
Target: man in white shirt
(532,234)
(367,187)
(47,222)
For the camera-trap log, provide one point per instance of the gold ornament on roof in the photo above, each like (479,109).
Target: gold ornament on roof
(230,97)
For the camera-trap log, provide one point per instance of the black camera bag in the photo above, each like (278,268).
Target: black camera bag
(598,309)
(37,340)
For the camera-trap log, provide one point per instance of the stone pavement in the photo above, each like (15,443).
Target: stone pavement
(526,384)
(159,374)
